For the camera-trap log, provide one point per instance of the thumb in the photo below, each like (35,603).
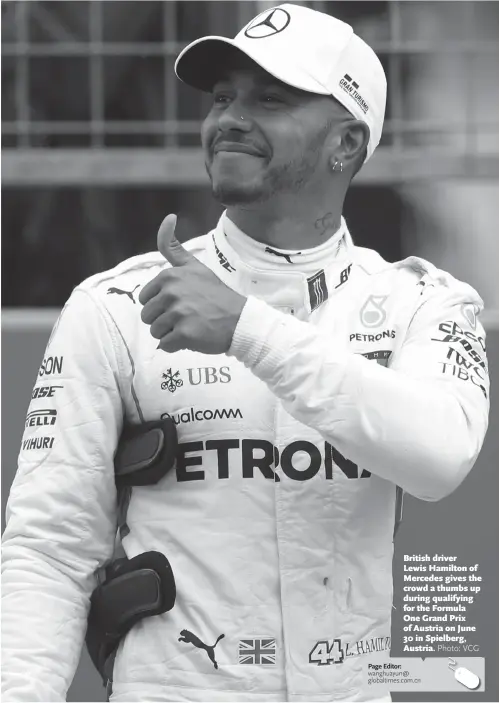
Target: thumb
(168,244)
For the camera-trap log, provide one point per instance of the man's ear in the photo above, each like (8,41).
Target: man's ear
(354,141)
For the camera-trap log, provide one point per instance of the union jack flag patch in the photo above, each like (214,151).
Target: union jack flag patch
(257,651)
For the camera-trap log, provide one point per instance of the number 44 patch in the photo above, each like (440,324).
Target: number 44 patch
(326,652)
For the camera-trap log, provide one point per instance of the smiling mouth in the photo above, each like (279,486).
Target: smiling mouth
(237,149)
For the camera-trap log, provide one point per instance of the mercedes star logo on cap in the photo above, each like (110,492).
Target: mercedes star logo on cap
(272,22)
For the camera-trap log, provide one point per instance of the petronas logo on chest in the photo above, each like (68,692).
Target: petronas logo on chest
(372,313)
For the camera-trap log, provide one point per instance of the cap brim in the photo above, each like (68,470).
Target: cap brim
(204,61)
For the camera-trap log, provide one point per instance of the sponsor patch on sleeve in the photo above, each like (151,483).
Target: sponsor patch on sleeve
(464,349)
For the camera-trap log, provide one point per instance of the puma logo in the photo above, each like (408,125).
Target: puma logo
(186,636)
(118,291)
(280,253)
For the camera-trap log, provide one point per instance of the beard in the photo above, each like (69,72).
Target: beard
(290,177)
(285,178)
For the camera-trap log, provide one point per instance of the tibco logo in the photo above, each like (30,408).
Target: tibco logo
(199,415)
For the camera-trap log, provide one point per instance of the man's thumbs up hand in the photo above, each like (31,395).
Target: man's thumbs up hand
(168,244)
(187,305)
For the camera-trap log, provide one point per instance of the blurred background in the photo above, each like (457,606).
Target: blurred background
(100,141)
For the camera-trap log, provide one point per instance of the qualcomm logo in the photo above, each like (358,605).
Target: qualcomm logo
(268,23)
(193,415)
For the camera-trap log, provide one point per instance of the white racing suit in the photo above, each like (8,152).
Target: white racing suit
(349,380)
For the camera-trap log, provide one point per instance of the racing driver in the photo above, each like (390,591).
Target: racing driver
(311,383)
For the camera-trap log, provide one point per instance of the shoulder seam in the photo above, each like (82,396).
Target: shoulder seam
(138,263)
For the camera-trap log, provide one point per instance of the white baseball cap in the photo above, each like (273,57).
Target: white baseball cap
(306,49)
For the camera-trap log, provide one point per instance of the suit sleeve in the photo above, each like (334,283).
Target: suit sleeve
(419,424)
(61,512)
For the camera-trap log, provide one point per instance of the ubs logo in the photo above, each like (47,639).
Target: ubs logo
(171,381)
(205,375)
(268,23)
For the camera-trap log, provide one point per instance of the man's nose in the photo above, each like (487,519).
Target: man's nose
(235,116)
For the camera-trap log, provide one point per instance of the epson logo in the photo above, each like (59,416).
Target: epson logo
(51,365)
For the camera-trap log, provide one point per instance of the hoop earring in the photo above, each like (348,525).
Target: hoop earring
(336,163)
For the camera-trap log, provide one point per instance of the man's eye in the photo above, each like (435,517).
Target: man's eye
(272,99)
(221,98)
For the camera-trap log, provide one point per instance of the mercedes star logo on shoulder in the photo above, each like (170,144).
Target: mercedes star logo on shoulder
(268,23)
